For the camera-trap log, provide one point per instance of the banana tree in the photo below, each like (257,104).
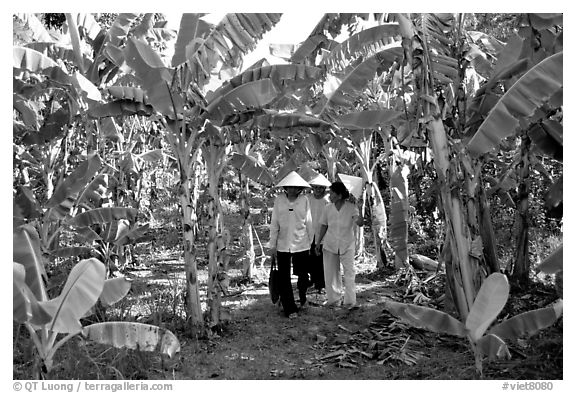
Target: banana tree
(532,105)
(486,339)
(53,322)
(201,51)
(431,64)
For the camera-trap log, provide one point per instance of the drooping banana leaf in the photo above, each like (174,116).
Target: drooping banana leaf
(81,291)
(245,97)
(519,103)
(310,46)
(191,32)
(67,192)
(35,27)
(489,301)
(55,50)
(525,324)
(31,60)
(130,93)
(342,89)
(154,77)
(284,77)
(368,119)
(280,121)
(365,43)
(252,168)
(103,215)
(426,318)
(133,335)
(25,306)
(26,251)
(234,36)
(120,108)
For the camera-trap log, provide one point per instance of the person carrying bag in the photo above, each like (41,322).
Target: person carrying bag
(291,233)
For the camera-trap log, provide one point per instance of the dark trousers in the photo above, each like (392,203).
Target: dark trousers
(299,261)
(316,268)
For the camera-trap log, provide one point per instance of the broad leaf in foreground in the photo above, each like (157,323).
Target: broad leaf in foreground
(519,103)
(133,335)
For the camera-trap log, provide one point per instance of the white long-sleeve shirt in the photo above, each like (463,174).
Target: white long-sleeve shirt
(316,208)
(339,235)
(291,227)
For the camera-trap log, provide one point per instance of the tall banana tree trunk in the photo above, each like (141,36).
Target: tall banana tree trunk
(462,269)
(187,152)
(247,237)
(214,152)
(379,224)
(521,270)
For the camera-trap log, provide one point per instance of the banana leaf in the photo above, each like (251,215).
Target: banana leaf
(493,347)
(365,44)
(26,251)
(250,167)
(114,290)
(519,103)
(25,306)
(234,36)
(68,191)
(525,324)
(245,97)
(103,215)
(553,263)
(81,291)
(153,76)
(426,318)
(342,89)
(489,301)
(133,335)
(368,119)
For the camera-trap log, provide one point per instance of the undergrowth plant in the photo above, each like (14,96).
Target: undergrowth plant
(484,342)
(52,322)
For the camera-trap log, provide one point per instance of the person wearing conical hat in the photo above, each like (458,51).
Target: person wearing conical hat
(337,242)
(318,199)
(291,233)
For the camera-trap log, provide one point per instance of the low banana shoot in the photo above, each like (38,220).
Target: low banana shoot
(485,340)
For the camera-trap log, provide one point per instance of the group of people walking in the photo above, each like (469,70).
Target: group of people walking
(313,235)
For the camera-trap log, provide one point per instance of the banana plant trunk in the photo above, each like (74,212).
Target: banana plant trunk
(462,269)
(247,236)
(379,224)
(188,195)
(215,158)
(520,275)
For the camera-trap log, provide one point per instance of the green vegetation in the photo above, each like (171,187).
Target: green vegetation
(128,154)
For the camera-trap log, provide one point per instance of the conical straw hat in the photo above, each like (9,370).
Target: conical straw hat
(319,180)
(293,179)
(353,184)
